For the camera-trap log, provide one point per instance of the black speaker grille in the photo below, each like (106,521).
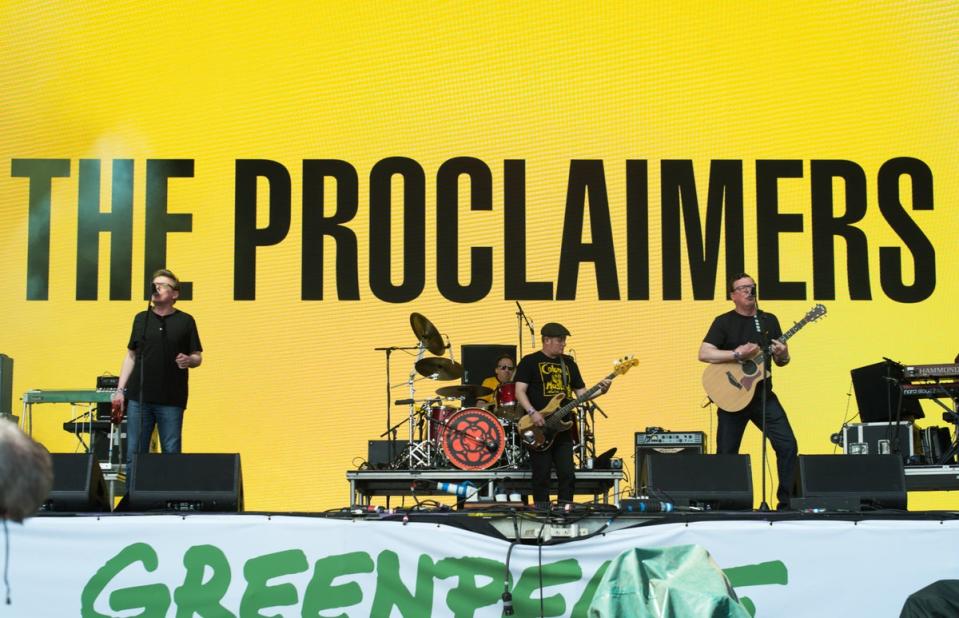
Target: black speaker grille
(210,481)
(878,480)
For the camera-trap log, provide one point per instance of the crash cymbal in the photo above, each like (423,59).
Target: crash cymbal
(464,390)
(444,368)
(426,333)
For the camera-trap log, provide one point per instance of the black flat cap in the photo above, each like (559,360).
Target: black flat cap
(554,329)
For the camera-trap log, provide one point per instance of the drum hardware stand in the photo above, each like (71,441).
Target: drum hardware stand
(586,448)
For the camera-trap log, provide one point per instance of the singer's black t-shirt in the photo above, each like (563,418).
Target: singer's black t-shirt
(730,330)
(166,336)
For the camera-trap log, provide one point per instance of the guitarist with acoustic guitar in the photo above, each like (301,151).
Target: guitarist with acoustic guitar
(737,338)
(541,376)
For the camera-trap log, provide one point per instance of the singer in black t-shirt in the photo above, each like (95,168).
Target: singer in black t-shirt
(166,341)
(739,335)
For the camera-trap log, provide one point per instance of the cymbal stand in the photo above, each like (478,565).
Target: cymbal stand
(419,453)
(388,351)
(516,455)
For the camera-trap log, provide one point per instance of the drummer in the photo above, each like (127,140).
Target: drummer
(505,367)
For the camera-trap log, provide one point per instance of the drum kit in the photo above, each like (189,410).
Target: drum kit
(455,428)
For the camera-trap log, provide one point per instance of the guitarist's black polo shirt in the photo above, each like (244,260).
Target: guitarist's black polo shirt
(730,330)
(544,377)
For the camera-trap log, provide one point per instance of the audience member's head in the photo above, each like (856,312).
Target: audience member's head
(26,473)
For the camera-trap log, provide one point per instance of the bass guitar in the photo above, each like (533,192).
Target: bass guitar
(541,438)
(732,385)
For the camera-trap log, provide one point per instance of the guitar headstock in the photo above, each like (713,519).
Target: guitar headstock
(624,364)
(815,313)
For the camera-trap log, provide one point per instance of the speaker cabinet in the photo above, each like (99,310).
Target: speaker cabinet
(382,453)
(186,482)
(479,361)
(664,443)
(850,482)
(6,385)
(78,485)
(706,481)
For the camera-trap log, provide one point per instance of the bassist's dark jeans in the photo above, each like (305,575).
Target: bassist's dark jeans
(732,425)
(560,455)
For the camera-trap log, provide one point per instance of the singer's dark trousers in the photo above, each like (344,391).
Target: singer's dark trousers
(560,456)
(732,425)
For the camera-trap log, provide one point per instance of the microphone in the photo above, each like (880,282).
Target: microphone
(449,347)
(492,445)
(460,490)
(154,289)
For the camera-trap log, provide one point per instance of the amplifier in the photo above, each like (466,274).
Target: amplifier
(669,438)
(658,442)
(106,383)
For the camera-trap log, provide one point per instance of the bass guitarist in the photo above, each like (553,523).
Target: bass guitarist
(539,377)
(738,336)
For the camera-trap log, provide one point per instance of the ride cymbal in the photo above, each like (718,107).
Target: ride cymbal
(464,390)
(426,333)
(442,368)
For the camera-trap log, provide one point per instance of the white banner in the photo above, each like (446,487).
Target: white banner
(257,565)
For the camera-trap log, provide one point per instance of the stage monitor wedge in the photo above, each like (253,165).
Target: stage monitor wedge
(210,482)
(709,482)
(852,481)
(78,485)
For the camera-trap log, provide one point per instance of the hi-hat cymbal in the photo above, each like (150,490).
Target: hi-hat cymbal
(426,333)
(510,413)
(464,390)
(443,368)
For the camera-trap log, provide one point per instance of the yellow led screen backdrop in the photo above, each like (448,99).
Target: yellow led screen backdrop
(316,172)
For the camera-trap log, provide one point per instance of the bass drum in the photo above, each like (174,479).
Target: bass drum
(473,439)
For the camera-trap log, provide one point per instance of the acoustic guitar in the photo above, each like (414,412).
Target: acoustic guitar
(732,385)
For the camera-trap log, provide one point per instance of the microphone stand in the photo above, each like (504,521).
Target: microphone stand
(520,318)
(141,361)
(766,346)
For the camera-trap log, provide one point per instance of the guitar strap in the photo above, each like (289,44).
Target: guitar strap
(565,375)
